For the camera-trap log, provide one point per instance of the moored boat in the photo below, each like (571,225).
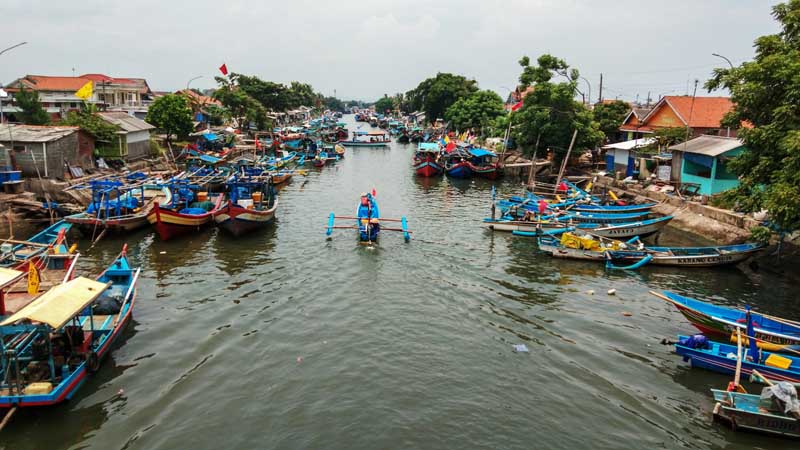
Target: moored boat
(183,214)
(251,206)
(426,160)
(750,412)
(483,163)
(368,139)
(456,164)
(127,212)
(60,338)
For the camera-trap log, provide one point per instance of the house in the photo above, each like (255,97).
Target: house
(57,94)
(621,157)
(46,151)
(199,103)
(703,161)
(133,137)
(703,115)
(633,121)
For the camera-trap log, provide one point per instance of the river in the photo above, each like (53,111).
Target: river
(287,340)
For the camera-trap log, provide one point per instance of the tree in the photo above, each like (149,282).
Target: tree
(479,110)
(550,113)
(88,120)
(272,96)
(239,104)
(31,112)
(301,94)
(171,114)
(609,116)
(217,115)
(765,92)
(383,104)
(435,95)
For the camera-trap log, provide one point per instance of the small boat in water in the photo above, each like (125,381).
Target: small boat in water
(188,211)
(483,163)
(456,164)
(368,139)
(119,209)
(49,347)
(426,160)
(534,228)
(772,333)
(760,413)
(368,220)
(251,206)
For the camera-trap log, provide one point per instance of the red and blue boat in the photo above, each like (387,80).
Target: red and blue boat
(427,160)
(483,163)
(188,211)
(456,164)
(50,347)
(251,206)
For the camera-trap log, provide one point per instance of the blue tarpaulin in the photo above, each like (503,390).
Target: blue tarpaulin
(481,152)
(703,160)
(210,136)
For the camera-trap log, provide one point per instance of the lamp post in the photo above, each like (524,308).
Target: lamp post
(4,94)
(589,86)
(192,79)
(726,59)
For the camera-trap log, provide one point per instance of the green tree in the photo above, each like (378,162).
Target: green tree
(333,103)
(479,110)
(241,106)
(765,92)
(435,95)
(217,115)
(302,94)
(88,120)
(383,104)
(171,114)
(609,116)
(272,96)
(31,111)
(550,113)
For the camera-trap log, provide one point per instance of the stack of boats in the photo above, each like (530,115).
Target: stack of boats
(579,226)
(457,160)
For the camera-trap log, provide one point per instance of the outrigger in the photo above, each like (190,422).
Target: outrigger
(368,220)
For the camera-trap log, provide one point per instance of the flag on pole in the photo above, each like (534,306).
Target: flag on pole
(33,279)
(84,93)
(516,106)
(224,69)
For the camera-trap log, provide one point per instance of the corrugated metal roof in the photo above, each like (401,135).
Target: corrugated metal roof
(708,145)
(32,133)
(125,121)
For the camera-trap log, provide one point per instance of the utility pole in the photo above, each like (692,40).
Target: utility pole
(691,112)
(600,97)
(648,99)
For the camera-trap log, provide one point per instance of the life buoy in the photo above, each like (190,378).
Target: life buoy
(92,362)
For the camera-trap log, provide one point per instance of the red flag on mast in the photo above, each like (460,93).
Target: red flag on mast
(224,69)
(516,106)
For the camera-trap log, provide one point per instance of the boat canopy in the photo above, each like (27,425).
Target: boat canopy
(481,152)
(60,304)
(9,276)
(210,136)
(428,147)
(377,133)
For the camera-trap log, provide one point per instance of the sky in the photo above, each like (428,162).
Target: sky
(365,49)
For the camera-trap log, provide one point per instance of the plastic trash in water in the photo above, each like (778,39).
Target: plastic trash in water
(520,348)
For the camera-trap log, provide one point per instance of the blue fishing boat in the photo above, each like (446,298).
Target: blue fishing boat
(368,220)
(759,413)
(456,164)
(535,228)
(614,209)
(49,347)
(37,249)
(772,333)
(720,357)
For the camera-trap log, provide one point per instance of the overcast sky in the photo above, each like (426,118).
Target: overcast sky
(363,49)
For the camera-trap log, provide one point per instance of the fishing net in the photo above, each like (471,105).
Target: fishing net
(786,394)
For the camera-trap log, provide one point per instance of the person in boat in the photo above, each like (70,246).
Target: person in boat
(368,211)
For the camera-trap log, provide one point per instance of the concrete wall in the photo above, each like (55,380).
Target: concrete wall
(50,157)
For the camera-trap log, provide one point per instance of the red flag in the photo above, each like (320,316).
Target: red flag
(374,194)
(450,147)
(224,69)
(516,106)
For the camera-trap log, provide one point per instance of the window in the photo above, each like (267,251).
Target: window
(19,148)
(73,105)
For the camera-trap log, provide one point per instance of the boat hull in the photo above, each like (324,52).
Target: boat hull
(715,359)
(170,224)
(460,170)
(751,419)
(428,169)
(238,221)
(488,172)
(364,144)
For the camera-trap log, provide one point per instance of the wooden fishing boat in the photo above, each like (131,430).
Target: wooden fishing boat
(116,218)
(368,220)
(483,163)
(456,164)
(771,333)
(624,230)
(721,358)
(368,139)
(749,412)
(47,248)
(50,346)
(251,206)
(613,209)
(618,252)
(182,215)
(426,161)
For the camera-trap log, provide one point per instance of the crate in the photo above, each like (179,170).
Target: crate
(38,388)
(778,361)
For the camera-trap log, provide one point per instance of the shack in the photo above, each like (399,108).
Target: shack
(621,157)
(703,161)
(133,137)
(51,150)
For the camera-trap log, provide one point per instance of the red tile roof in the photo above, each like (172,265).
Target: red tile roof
(45,83)
(107,79)
(200,99)
(707,112)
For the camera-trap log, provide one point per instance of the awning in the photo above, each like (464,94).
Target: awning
(429,146)
(60,304)
(9,277)
(210,137)
(481,152)
(630,145)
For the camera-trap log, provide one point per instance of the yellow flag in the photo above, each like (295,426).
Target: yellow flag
(85,92)
(33,279)
(446,139)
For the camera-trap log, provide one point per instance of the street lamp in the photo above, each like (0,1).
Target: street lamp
(726,59)
(190,81)
(3,93)
(589,86)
